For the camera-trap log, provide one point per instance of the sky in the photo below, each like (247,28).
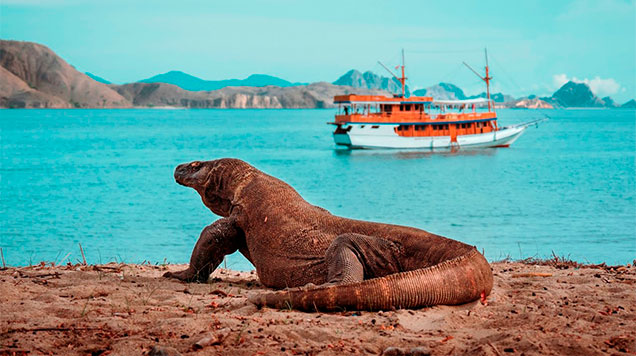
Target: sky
(534,47)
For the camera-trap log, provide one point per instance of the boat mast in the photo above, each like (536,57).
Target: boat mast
(401,79)
(486,79)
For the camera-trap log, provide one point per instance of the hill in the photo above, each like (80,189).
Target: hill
(370,80)
(316,95)
(192,83)
(573,94)
(442,91)
(629,105)
(496,97)
(531,102)
(97,78)
(33,76)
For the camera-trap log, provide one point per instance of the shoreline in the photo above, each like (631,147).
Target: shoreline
(553,261)
(537,307)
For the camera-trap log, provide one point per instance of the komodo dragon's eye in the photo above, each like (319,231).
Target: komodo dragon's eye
(195,164)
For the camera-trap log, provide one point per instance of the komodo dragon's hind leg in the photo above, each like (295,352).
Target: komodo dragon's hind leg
(354,257)
(220,238)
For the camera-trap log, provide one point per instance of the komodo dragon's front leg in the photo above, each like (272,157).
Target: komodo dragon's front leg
(218,239)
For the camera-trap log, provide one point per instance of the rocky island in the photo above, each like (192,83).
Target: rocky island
(33,76)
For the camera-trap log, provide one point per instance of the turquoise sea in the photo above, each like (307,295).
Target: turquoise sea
(103,178)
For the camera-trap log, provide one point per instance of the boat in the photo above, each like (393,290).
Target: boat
(421,122)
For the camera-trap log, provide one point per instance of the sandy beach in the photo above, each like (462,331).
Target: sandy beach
(553,308)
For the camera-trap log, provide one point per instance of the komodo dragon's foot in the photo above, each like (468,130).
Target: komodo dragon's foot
(186,276)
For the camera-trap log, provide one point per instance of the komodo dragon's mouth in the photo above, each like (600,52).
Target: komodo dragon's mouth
(183,174)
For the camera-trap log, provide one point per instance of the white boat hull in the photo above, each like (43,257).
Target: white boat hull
(384,136)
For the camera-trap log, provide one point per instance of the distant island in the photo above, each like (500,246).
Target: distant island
(192,83)
(33,76)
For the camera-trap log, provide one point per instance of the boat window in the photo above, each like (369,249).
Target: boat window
(375,127)
(456,126)
(361,126)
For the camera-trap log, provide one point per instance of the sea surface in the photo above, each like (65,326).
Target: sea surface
(104,178)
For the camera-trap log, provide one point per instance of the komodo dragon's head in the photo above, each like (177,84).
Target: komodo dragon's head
(217,182)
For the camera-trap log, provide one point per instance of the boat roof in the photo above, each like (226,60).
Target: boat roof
(380,99)
(461,102)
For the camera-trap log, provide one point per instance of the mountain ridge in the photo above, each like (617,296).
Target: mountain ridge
(189,82)
(573,94)
(33,76)
(97,78)
(370,80)
(316,95)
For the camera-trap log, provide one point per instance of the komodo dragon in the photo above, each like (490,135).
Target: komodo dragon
(342,263)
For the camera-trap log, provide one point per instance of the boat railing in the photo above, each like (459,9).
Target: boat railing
(399,117)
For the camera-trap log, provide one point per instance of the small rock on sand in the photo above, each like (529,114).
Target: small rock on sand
(163,351)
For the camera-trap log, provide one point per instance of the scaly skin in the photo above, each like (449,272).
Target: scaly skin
(342,263)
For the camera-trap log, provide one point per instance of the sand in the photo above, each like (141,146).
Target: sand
(122,309)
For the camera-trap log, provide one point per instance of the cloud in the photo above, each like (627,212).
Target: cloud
(559,79)
(599,86)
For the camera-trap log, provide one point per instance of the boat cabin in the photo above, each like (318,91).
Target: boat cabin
(416,116)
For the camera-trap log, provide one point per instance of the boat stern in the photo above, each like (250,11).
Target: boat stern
(341,136)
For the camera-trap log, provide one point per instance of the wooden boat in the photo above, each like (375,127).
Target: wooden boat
(378,121)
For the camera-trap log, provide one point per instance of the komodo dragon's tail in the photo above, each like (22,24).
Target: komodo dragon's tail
(455,281)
